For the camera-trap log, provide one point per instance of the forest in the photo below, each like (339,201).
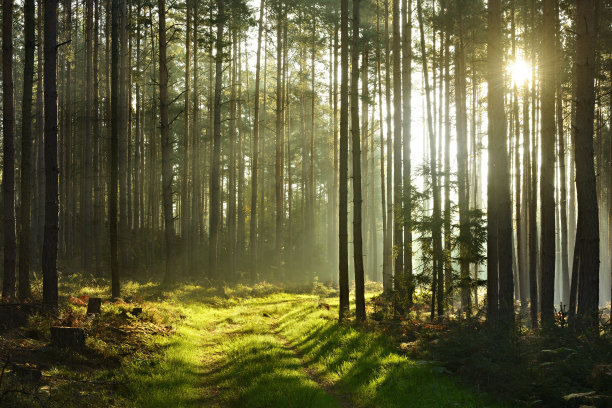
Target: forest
(322,203)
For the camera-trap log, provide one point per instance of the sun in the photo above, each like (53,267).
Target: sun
(520,71)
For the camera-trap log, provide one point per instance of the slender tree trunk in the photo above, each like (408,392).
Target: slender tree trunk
(49,252)
(8,158)
(279,142)
(436,226)
(196,201)
(185,210)
(231,204)
(215,187)
(499,243)
(389,190)
(565,277)
(86,213)
(254,172)
(386,272)
(587,237)
(39,216)
(166,143)
(356,145)
(343,204)
(26,151)
(462,165)
(398,234)
(407,137)
(114,145)
(98,214)
(547,179)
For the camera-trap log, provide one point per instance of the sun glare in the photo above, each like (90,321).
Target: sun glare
(520,72)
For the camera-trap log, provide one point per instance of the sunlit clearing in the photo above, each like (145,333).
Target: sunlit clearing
(519,71)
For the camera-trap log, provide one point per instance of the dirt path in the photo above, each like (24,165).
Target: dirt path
(342,399)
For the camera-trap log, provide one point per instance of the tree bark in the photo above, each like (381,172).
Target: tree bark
(407,137)
(49,252)
(587,237)
(499,242)
(215,193)
(398,233)
(547,167)
(254,167)
(343,205)
(356,145)
(8,158)
(114,157)
(166,143)
(436,216)
(26,152)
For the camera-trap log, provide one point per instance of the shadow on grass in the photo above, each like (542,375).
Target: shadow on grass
(367,366)
(259,372)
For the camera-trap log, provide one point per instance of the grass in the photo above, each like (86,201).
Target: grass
(284,350)
(256,347)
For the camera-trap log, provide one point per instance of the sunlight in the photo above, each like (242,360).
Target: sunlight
(520,71)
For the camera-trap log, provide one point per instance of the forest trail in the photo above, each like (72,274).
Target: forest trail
(284,350)
(343,400)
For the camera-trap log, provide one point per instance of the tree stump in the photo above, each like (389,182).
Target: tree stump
(29,374)
(94,305)
(136,311)
(72,338)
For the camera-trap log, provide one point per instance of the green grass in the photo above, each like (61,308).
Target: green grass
(263,348)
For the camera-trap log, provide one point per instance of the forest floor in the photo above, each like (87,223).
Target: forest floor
(195,346)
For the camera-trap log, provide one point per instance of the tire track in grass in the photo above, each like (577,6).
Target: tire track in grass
(343,400)
(250,366)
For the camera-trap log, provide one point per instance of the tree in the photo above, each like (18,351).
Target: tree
(49,252)
(436,232)
(185,214)
(26,152)
(499,228)
(254,171)
(462,163)
(166,144)
(587,235)
(407,136)
(343,196)
(356,145)
(86,192)
(214,174)
(114,152)
(547,166)
(398,241)
(8,149)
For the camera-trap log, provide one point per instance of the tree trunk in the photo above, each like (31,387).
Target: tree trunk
(356,145)
(26,152)
(436,226)
(279,143)
(499,242)
(231,200)
(86,213)
(8,148)
(547,168)
(215,193)
(407,137)
(565,278)
(462,166)
(114,157)
(343,205)
(166,143)
(587,237)
(185,210)
(49,252)
(254,167)
(398,233)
